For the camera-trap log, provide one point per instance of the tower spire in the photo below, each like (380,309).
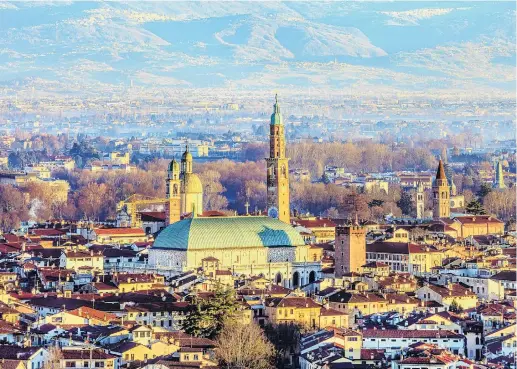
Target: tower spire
(277,169)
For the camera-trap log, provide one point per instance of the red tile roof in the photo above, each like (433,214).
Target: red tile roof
(402,333)
(119,231)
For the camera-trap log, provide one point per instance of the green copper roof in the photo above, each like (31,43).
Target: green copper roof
(276,117)
(227,232)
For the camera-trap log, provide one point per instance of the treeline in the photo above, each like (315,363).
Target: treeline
(357,157)
(230,185)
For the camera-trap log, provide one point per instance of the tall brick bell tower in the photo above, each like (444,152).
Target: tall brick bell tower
(277,170)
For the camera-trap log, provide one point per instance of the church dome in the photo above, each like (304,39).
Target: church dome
(192,183)
(187,156)
(227,233)
(174,166)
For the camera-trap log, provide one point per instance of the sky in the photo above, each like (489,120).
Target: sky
(433,49)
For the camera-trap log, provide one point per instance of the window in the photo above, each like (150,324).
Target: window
(352,339)
(69,364)
(86,364)
(99,364)
(196,357)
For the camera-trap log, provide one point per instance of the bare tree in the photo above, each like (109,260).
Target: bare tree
(244,346)
(55,355)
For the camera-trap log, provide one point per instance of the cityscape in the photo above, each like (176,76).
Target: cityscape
(258,185)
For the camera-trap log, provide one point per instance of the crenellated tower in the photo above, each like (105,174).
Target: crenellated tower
(277,169)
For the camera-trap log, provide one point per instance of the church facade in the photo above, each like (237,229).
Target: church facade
(245,245)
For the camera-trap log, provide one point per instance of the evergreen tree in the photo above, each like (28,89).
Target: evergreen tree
(475,208)
(484,190)
(208,316)
(454,307)
(406,203)
(325,178)
(286,339)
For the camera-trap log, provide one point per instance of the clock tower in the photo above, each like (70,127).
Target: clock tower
(277,169)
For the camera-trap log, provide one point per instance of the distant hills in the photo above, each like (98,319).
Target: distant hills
(434,48)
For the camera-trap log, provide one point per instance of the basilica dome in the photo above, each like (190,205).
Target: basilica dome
(192,183)
(227,233)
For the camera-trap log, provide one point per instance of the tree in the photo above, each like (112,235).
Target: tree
(484,190)
(475,208)
(208,316)
(244,346)
(13,208)
(55,355)
(325,178)
(406,203)
(285,338)
(455,307)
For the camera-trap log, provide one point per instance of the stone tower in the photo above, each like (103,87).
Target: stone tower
(441,194)
(499,176)
(277,170)
(173,185)
(350,250)
(420,202)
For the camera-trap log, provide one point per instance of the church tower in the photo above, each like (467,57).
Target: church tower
(441,194)
(191,188)
(277,169)
(350,250)
(499,176)
(173,205)
(420,204)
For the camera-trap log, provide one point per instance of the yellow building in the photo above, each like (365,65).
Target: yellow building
(132,351)
(423,259)
(354,303)
(399,235)
(118,235)
(119,158)
(303,311)
(129,282)
(448,294)
(475,225)
(82,260)
(324,230)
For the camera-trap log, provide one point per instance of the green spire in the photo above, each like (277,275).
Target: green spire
(499,176)
(276,117)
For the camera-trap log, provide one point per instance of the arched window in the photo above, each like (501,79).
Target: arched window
(312,276)
(278,278)
(296,279)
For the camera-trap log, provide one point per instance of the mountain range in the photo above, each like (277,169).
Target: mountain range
(357,48)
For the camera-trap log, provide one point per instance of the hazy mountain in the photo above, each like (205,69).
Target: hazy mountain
(358,46)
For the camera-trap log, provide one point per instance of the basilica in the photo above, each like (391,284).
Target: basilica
(245,245)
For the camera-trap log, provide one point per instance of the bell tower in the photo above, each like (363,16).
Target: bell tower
(441,194)
(172,206)
(277,169)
